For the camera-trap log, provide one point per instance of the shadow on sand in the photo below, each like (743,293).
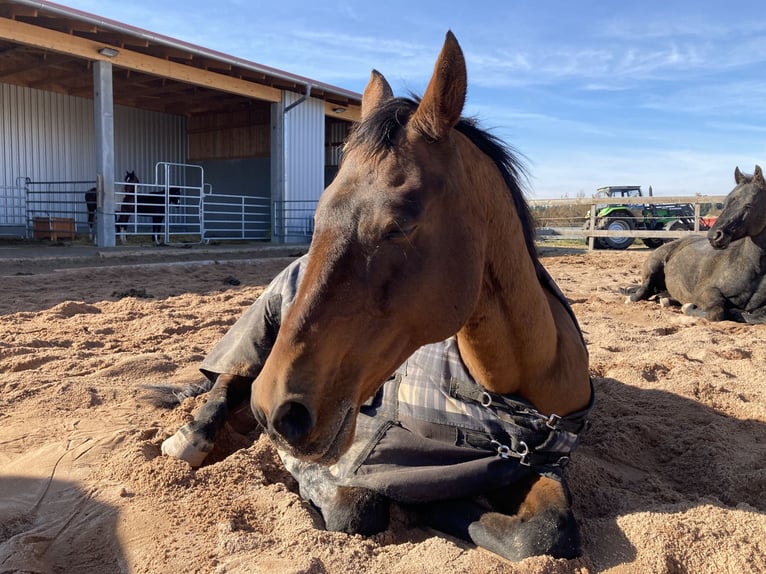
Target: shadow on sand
(54,526)
(654,451)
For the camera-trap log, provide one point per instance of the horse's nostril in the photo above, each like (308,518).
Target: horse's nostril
(293,421)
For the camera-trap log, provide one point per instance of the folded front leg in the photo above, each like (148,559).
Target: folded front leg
(195,440)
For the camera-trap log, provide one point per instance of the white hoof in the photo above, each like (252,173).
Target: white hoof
(664,301)
(179,446)
(687,308)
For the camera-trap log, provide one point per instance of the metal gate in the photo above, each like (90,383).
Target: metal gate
(13,210)
(235,217)
(177,207)
(55,209)
(169,210)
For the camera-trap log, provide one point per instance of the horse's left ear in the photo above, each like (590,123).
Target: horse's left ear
(442,104)
(377,91)
(758,176)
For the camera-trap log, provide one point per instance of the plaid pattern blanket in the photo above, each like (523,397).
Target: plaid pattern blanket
(431,432)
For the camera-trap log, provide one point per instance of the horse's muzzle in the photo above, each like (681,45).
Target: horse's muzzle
(293,428)
(718,239)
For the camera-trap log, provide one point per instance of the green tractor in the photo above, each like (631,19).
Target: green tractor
(667,216)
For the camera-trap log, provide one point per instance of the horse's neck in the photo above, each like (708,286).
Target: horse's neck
(751,249)
(521,338)
(758,245)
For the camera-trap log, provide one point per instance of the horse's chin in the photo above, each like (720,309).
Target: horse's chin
(720,244)
(325,452)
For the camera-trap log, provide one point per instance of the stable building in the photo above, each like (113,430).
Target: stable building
(223,148)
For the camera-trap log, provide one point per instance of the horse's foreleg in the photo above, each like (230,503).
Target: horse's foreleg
(541,523)
(158,234)
(710,304)
(756,317)
(195,440)
(652,281)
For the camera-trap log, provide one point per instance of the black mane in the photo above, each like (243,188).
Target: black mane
(378,133)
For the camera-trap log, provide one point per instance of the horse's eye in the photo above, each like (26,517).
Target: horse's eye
(398,231)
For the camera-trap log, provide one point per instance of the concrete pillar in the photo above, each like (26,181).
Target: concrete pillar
(104,123)
(277,171)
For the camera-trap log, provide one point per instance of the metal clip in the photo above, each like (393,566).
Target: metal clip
(486,400)
(523,454)
(505,452)
(553,422)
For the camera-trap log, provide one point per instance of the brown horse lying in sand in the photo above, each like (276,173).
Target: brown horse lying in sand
(724,276)
(420,353)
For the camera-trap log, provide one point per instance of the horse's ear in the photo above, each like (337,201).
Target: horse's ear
(738,176)
(376,93)
(443,101)
(758,176)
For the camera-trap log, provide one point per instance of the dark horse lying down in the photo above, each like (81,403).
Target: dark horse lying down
(722,277)
(150,204)
(420,352)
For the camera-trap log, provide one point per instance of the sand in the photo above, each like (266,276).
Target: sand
(670,476)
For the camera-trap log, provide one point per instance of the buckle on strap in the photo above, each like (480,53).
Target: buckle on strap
(553,422)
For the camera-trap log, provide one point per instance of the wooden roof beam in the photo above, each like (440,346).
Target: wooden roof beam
(63,43)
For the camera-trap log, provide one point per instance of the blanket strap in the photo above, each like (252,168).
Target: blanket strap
(518,407)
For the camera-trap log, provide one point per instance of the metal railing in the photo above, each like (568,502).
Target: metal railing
(13,210)
(293,220)
(168,210)
(235,217)
(55,209)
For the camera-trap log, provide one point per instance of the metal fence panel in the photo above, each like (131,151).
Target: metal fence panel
(294,220)
(235,217)
(13,210)
(56,209)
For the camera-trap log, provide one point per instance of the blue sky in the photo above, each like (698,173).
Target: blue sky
(669,94)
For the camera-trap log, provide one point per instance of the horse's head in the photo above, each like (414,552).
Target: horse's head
(174,195)
(744,213)
(397,261)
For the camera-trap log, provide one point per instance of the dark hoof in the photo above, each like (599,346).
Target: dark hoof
(548,533)
(357,511)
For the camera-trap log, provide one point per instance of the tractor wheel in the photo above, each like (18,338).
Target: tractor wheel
(652,242)
(675,226)
(617,224)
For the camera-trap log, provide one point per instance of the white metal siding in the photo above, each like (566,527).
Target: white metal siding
(304,149)
(45,136)
(50,137)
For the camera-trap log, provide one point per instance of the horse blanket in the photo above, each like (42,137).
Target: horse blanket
(431,432)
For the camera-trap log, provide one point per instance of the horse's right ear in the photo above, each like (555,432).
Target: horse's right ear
(443,101)
(376,93)
(738,176)
(758,177)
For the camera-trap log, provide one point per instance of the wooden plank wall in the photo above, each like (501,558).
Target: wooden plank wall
(230,135)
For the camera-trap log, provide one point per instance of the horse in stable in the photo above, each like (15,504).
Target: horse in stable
(151,204)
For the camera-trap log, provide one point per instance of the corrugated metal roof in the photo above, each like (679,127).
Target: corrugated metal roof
(48,46)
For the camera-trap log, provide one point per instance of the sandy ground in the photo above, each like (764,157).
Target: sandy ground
(671,475)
